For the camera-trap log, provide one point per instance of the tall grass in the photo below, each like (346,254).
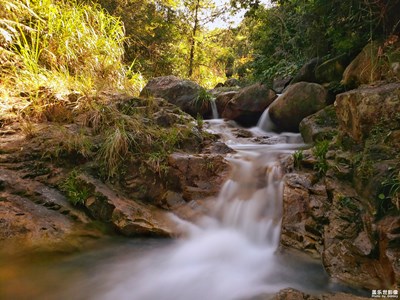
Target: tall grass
(62,45)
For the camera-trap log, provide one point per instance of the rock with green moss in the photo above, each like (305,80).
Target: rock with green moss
(300,100)
(319,126)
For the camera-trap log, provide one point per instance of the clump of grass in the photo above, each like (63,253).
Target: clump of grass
(390,189)
(117,144)
(76,193)
(203,99)
(298,157)
(320,150)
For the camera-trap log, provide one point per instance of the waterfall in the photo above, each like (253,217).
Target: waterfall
(229,254)
(265,123)
(214,109)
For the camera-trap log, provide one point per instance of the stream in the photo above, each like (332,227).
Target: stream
(230,254)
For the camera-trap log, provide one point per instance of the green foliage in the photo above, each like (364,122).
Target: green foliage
(294,31)
(199,122)
(320,150)
(116,144)
(298,158)
(63,46)
(348,202)
(390,189)
(203,99)
(76,192)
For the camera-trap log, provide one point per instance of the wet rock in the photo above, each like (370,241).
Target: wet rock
(350,241)
(293,294)
(182,93)
(358,111)
(319,126)
(199,176)
(248,105)
(300,100)
(389,252)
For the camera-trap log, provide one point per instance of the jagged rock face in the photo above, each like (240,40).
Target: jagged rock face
(360,227)
(300,100)
(360,110)
(248,105)
(328,219)
(198,176)
(182,93)
(304,213)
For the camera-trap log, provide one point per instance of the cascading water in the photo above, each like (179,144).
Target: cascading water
(265,123)
(230,254)
(214,109)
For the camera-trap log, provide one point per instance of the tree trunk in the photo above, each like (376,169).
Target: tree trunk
(193,41)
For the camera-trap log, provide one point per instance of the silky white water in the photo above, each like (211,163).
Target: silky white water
(229,254)
(214,109)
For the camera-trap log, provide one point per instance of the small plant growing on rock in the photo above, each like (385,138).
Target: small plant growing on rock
(76,192)
(203,99)
(391,189)
(320,149)
(297,158)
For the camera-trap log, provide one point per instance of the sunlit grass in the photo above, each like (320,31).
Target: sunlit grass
(64,46)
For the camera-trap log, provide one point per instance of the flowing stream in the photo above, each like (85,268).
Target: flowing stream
(230,254)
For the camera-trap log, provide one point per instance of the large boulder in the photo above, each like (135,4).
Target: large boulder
(376,61)
(364,68)
(300,100)
(360,110)
(248,105)
(186,94)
